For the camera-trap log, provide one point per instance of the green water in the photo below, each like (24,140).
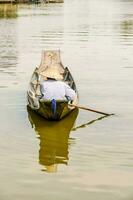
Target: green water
(82,156)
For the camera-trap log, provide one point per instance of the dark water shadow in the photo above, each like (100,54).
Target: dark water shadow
(54,139)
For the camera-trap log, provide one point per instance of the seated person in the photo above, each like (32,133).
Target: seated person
(54,88)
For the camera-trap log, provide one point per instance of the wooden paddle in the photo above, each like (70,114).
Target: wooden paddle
(96,111)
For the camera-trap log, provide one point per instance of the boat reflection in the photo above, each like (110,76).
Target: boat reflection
(8,10)
(54,139)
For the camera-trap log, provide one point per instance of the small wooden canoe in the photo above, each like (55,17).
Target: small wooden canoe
(36,102)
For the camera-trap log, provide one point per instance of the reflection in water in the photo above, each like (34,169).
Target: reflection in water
(91,38)
(127,27)
(8,11)
(89,123)
(54,139)
(8,50)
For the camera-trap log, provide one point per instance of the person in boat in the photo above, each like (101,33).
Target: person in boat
(54,88)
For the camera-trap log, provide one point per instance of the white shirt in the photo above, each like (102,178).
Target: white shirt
(58,90)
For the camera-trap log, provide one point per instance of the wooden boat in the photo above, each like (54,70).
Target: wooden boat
(50,59)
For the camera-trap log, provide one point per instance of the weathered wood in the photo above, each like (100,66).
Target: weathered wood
(30,1)
(55,1)
(7,1)
(46,1)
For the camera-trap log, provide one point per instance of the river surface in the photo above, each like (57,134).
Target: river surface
(82,156)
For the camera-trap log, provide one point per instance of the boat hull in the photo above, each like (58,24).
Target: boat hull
(34,96)
(45,110)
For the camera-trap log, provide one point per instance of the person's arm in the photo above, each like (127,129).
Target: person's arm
(42,89)
(69,92)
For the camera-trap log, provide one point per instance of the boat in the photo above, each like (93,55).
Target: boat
(50,59)
(54,139)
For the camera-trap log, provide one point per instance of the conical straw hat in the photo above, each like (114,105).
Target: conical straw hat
(52,72)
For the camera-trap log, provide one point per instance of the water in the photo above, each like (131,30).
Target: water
(40,160)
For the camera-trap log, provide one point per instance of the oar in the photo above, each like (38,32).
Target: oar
(92,110)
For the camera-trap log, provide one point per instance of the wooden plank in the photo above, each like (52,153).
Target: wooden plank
(7,1)
(51,1)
